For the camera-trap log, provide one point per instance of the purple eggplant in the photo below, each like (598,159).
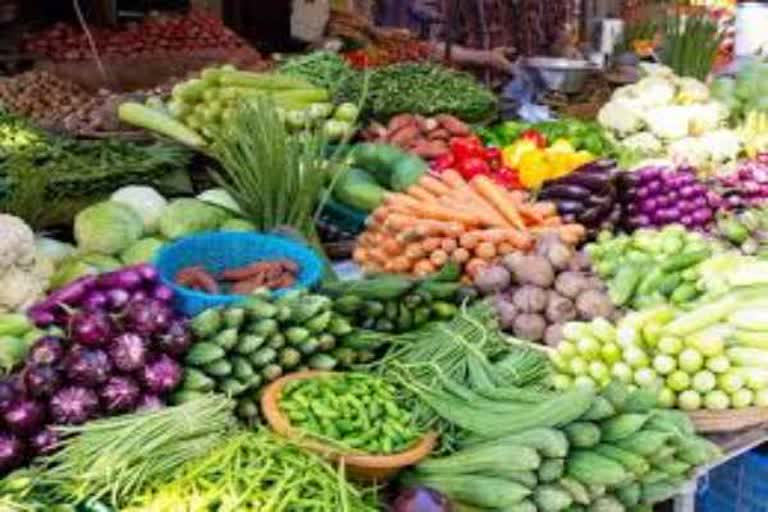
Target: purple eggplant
(87,366)
(176,340)
(44,442)
(47,350)
(12,453)
(24,417)
(120,394)
(41,380)
(8,393)
(420,499)
(161,375)
(124,279)
(563,191)
(92,328)
(74,405)
(147,317)
(568,206)
(128,352)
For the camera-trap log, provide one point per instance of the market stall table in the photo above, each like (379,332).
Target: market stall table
(733,445)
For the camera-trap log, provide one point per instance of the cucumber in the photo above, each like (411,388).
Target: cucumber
(206,323)
(272,372)
(242,368)
(195,380)
(276,341)
(348,304)
(218,368)
(264,327)
(263,357)
(322,362)
(232,387)
(227,339)
(249,343)
(202,353)
(319,323)
(234,317)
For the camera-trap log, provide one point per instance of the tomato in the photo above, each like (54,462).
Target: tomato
(535,136)
(443,162)
(507,177)
(472,167)
(467,147)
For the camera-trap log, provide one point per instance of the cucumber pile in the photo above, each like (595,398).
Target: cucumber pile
(396,304)
(241,348)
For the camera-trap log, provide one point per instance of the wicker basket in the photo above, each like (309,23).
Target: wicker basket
(730,420)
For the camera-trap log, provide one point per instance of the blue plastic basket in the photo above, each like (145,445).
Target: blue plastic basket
(218,251)
(738,485)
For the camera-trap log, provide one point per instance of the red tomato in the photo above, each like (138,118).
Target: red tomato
(493,157)
(467,147)
(535,136)
(443,162)
(474,166)
(508,178)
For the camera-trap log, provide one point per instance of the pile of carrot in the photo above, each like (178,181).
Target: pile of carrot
(447,218)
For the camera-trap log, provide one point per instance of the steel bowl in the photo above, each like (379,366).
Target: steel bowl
(562,75)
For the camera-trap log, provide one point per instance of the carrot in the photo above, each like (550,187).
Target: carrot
(377,255)
(438,258)
(399,221)
(401,202)
(430,244)
(499,199)
(421,193)
(449,245)
(380,214)
(469,240)
(486,251)
(495,236)
(423,268)
(439,212)
(552,221)
(474,266)
(392,247)
(414,251)
(505,248)
(360,254)
(428,227)
(455,180)
(460,255)
(472,201)
(401,264)
(434,185)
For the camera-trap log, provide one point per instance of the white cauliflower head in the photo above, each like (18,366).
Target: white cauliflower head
(690,150)
(670,122)
(20,288)
(691,91)
(723,145)
(616,115)
(655,91)
(644,143)
(17,242)
(706,117)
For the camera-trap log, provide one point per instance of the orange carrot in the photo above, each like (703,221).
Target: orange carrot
(469,240)
(425,228)
(414,251)
(438,258)
(434,185)
(505,248)
(421,193)
(423,267)
(499,199)
(486,251)
(455,180)
(449,245)
(360,254)
(392,247)
(399,221)
(401,264)
(474,265)
(430,244)
(460,255)
(552,221)
(471,200)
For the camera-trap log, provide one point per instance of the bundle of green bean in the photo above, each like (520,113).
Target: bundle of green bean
(353,410)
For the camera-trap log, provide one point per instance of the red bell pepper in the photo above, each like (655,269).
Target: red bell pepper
(467,147)
(535,136)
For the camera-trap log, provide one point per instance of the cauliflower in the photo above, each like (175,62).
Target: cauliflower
(657,70)
(644,143)
(723,145)
(690,150)
(669,122)
(655,91)
(691,91)
(706,117)
(619,117)
(17,242)
(22,276)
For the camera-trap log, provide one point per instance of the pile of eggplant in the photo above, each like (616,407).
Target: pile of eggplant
(587,196)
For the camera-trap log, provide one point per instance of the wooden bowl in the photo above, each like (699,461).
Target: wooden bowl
(361,466)
(729,420)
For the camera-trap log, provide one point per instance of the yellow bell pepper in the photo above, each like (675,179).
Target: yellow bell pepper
(534,169)
(512,154)
(561,146)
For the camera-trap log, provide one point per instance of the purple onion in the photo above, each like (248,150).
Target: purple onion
(95,300)
(176,340)
(117,299)
(139,296)
(649,174)
(74,405)
(44,442)
(663,202)
(688,192)
(41,380)
(40,316)
(8,393)
(641,221)
(649,205)
(687,221)
(162,293)
(92,328)
(88,366)
(150,403)
(148,317)
(686,206)
(47,350)
(24,417)
(653,187)
(702,216)
(147,272)
(161,375)
(120,394)
(643,192)
(128,352)
(125,279)
(12,453)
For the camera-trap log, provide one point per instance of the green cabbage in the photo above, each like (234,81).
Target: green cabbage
(185,216)
(107,228)
(237,225)
(142,251)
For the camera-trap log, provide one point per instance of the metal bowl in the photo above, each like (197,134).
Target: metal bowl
(562,75)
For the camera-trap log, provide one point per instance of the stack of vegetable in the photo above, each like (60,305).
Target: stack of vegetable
(157,35)
(119,353)
(204,104)
(238,349)
(746,186)
(666,115)
(659,195)
(41,97)
(135,223)
(470,158)
(550,452)
(425,137)
(712,356)
(375,170)
(354,411)
(747,230)
(446,218)
(650,267)
(582,135)
(323,69)
(392,303)
(24,272)
(589,196)
(536,294)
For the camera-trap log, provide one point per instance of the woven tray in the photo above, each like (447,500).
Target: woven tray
(729,420)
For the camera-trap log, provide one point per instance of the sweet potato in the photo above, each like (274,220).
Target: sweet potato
(453,125)
(439,134)
(403,136)
(399,121)
(429,150)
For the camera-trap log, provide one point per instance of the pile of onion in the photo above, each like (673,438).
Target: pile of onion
(118,352)
(747,187)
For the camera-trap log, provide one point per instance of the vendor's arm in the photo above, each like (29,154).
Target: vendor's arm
(496,59)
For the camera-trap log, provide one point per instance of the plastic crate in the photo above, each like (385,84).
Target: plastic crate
(740,485)
(218,251)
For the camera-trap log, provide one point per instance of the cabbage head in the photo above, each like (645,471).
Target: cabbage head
(146,201)
(186,216)
(142,251)
(237,225)
(107,228)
